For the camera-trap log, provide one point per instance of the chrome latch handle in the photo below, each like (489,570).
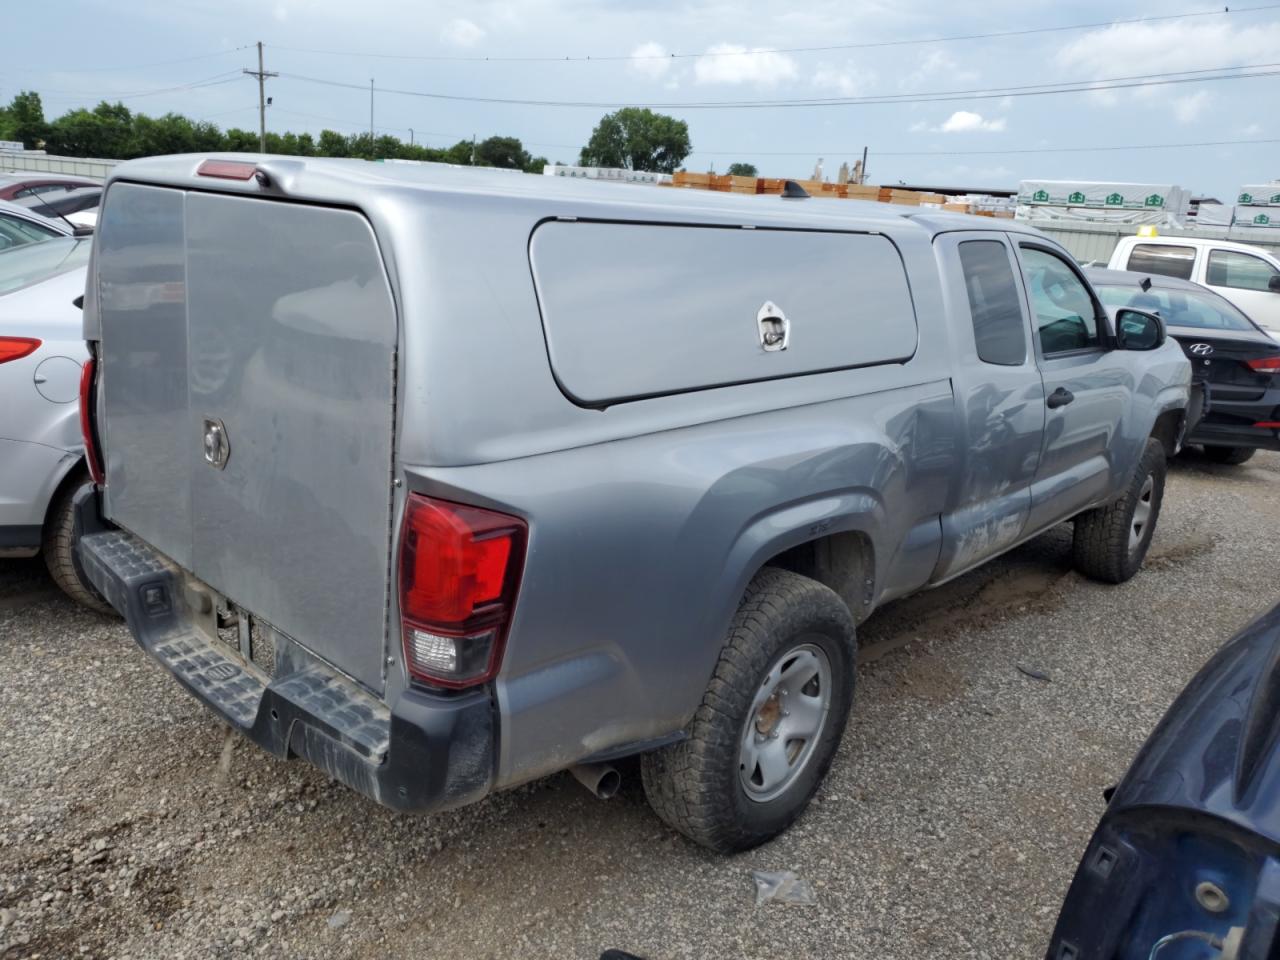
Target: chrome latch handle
(775,328)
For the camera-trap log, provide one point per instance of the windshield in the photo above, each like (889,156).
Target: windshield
(25,265)
(1179,308)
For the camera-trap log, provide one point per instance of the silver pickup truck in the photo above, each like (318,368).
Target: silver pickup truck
(445,480)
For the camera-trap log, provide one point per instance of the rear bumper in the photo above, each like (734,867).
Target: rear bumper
(1231,424)
(422,752)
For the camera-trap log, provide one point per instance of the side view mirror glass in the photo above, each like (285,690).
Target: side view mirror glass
(1138,330)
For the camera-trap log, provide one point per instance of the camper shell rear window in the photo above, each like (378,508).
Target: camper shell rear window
(632,310)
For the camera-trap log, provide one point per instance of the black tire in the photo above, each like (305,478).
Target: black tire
(1233,456)
(58,544)
(696,786)
(1102,546)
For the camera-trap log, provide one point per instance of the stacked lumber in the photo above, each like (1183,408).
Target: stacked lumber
(723,183)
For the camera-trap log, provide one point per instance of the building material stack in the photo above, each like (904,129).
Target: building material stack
(1258,205)
(1159,204)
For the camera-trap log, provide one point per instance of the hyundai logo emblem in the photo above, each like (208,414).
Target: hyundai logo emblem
(1201,349)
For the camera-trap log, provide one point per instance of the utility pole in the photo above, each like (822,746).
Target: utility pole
(473,149)
(261,73)
(411,136)
(864,165)
(371,115)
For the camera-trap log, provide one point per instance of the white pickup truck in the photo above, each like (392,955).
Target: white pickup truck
(1247,276)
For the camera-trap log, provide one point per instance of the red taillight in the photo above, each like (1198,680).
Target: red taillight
(86,422)
(1264,364)
(459,571)
(15,348)
(227,169)
(1268,424)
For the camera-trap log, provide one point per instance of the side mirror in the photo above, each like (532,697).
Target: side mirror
(1273,283)
(1138,330)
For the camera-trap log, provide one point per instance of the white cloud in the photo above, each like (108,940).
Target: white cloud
(738,65)
(1189,108)
(281,13)
(654,62)
(938,65)
(966,121)
(848,80)
(920,126)
(1132,49)
(460,32)
(1252,130)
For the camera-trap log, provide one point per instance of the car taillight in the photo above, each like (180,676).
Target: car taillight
(460,569)
(91,456)
(1264,364)
(15,348)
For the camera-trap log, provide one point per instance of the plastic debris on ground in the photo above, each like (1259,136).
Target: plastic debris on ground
(782,886)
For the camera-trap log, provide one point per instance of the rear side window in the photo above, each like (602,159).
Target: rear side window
(993,302)
(1228,268)
(1164,259)
(633,310)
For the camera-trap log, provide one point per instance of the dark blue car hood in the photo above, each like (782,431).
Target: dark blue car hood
(1199,806)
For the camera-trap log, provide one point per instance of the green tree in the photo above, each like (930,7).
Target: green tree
(507,152)
(332,144)
(638,139)
(24,120)
(742,170)
(535,164)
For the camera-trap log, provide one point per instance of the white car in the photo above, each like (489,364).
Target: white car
(42,352)
(20,226)
(1247,276)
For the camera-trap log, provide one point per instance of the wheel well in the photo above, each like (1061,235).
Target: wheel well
(77,475)
(1166,430)
(845,562)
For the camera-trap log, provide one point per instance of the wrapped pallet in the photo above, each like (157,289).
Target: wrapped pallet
(1105,202)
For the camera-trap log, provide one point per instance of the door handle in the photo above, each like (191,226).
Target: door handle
(1059,398)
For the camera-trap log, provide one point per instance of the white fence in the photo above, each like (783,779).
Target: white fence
(35,161)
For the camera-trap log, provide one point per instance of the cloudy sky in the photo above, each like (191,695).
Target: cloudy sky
(185,56)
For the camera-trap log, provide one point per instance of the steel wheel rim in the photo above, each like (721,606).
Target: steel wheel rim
(1141,513)
(787,719)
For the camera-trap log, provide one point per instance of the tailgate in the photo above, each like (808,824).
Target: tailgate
(274,323)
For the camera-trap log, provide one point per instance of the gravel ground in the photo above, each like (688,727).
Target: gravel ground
(950,826)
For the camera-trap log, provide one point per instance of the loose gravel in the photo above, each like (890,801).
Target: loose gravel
(990,715)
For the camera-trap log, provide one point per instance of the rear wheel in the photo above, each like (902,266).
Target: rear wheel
(1111,542)
(770,721)
(1230,455)
(58,546)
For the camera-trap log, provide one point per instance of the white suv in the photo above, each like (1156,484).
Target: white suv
(1247,276)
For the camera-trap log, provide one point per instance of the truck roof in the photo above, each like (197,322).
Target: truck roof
(361,182)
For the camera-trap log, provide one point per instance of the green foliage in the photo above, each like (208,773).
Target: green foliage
(112,131)
(638,139)
(24,120)
(742,170)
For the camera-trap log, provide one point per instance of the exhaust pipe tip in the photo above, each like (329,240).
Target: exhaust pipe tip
(602,779)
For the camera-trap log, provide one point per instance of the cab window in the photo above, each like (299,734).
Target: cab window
(1228,268)
(1165,259)
(1066,318)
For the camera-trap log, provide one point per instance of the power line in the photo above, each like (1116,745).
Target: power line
(218,78)
(155,63)
(864,45)
(986,93)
